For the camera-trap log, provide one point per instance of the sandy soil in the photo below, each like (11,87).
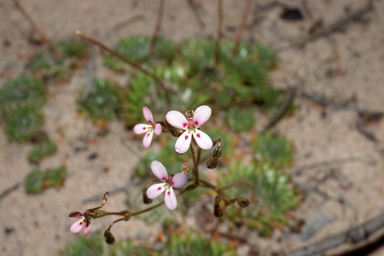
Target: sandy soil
(345,64)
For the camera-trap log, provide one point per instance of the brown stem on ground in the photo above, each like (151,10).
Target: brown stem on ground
(158,26)
(219,31)
(241,28)
(34,26)
(129,62)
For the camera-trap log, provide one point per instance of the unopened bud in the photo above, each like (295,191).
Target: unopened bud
(109,237)
(217,211)
(174,131)
(242,202)
(185,168)
(214,159)
(189,114)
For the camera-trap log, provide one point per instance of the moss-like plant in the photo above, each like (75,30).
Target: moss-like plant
(56,177)
(23,124)
(274,150)
(85,246)
(190,244)
(136,49)
(271,195)
(240,118)
(21,92)
(102,103)
(34,182)
(59,65)
(43,149)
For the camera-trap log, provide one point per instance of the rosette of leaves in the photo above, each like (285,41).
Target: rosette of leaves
(136,49)
(23,124)
(43,149)
(144,91)
(21,92)
(34,182)
(102,103)
(190,244)
(47,64)
(85,246)
(56,177)
(198,55)
(273,150)
(270,192)
(240,118)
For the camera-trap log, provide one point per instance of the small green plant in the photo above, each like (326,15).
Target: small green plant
(34,182)
(43,149)
(38,180)
(21,92)
(274,150)
(240,118)
(58,65)
(23,124)
(271,195)
(102,103)
(190,244)
(90,246)
(136,49)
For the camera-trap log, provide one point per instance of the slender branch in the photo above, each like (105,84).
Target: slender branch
(219,31)
(241,28)
(129,62)
(158,26)
(9,190)
(34,26)
(194,6)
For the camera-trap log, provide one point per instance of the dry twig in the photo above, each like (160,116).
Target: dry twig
(158,26)
(242,26)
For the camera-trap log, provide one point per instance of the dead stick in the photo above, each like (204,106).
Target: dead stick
(34,26)
(129,62)
(219,31)
(9,190)
(241,29)
(158,26)
(196,13)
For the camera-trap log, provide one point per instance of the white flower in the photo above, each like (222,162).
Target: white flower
(200,117)
(147,128)
(179,180)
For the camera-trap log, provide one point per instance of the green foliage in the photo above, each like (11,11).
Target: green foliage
(85,246)
(129,248)
(38,180)
(136,49)
(43,149)
(34,182)
(270,192)
(240,118)
(273,150)
(23,123)
(191,245)
(21,92)
(103,102)
(60,64)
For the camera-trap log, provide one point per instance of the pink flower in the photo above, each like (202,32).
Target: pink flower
(84,220)
(179,180)
(148,128)
(200,117)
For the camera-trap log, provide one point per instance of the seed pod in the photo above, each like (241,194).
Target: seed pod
(242,202)
(109,237)
(214,159)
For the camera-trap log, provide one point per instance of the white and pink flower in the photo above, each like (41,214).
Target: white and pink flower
(149,128)
(78,225)
(200,117)
(179,180)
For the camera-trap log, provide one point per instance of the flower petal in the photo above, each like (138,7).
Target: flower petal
(159,170)
(170,199)
(183,142)
(87,228)
(77,226)
(147,139)
(148,115)
(155,190)
(158,129)
(176,119)
(76,214)
(140,128)
(202,139)
(201,115)
(179,180)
